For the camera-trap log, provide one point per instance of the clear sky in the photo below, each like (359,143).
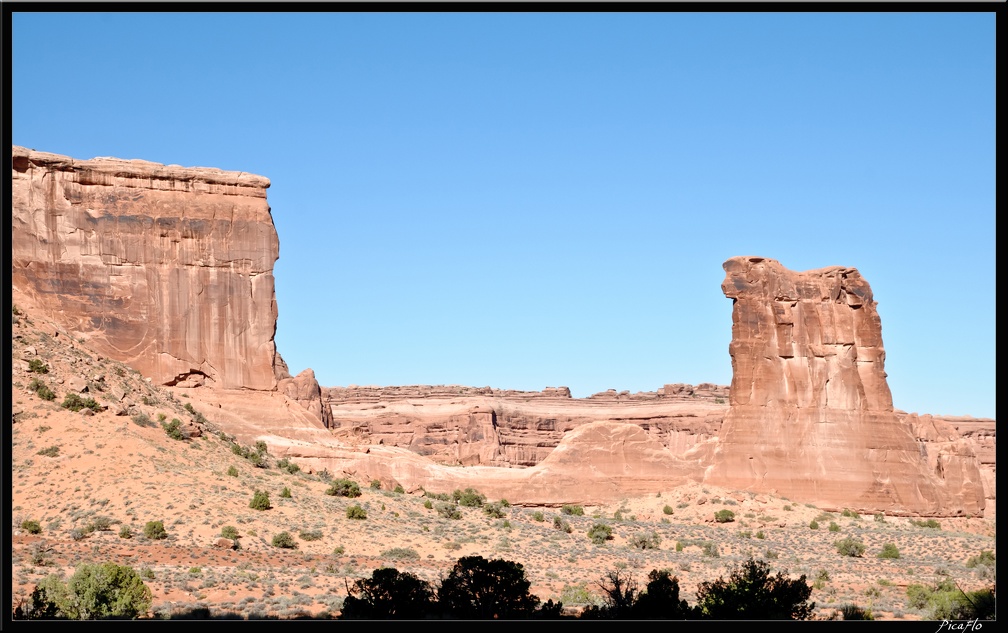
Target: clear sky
(524,200)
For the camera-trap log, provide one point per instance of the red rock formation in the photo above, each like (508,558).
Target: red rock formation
(169,269)
(811,415)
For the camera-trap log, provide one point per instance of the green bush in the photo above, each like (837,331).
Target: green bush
(849,546)
(427,504)
(285,493)
(232,471)
(401,553)
(125,532)
(289,466)
(813,525)
(538,516)
(344,488)
(284,540)
(229,531)
(52,451)
(142,419)
(260,500)
(833,527)
(572,510)
(599,533)
(31,526)
(760,534)
(930,523)
(724,516)
(399,489)
(155,530)
(356,512)
(494,510)
(375,484)
(74,402)
(889,550)
(94,592)
(645,540)
(310,535)
(854,612)
(41,390)
(448,510)
(752,593)
(847,512)
(37,366)
(711,549)
(469,498)
(174,429)
(561,524)
(985,557)
(879,517)
(667,509)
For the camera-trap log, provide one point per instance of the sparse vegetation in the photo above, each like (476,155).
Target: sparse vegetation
(985,557)
(37,366)
(31,526)
(174,429)
(41,390)
(849,546)
(344,488)
(929,523)
(75,403)
(646,540)
(599,533)
(52,451)
(356,512)
(561,524)
(142,419)
(469,498)
(232,471)
(572,510)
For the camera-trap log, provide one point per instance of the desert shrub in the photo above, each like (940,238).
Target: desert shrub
(879,517)
(760,534)
(724,516)
(849,546)
(438,496)
(344,488)
(401,553)
(946,601)
(854,612)
(284,540)
(398,489)
(41,390)
(427,504)
(229,531)
(232,471)
(52,451)
(289,466)
(494,510)
(752,593)
(813,525)
(260,500)
(310,535)
(985,557)
(833,527)
(561,524)
(174,429)
(37,366)
(261,448)
(889,550)
(930,523)
(711,549)
(477,588)
(645,540)
(74,402)
(285,493)
(325,475)
(31,526)
(538,516)
(142,419)
(101,523)
(125,532)
(599,533)
(469,498)
(375,484)
(619,596)
(389,594)
(448,510)
(356,512)
(667,509)
(572,510)
(94,592)
(155,530)
(847,512)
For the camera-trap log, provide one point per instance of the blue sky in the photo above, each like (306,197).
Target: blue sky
(524,200)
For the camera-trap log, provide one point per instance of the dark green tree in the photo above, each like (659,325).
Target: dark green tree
(751,593)
(389,594)
(660,600)
(477,588)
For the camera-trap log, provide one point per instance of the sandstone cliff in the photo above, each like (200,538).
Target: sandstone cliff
(811,415)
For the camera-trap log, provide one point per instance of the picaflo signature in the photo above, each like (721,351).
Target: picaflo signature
(968,625)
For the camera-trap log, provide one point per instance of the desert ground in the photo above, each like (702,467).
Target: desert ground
(93,481)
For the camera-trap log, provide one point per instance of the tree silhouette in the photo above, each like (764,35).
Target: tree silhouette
(389,594)
(660,600)
(477,588)
(752,593)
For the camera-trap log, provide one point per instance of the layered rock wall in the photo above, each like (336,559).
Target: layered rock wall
(169,269)
(811,415)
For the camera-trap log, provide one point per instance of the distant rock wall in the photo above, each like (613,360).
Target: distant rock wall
(169,269)
(811,415)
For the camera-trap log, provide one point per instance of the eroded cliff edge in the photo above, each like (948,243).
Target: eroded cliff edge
(166,268)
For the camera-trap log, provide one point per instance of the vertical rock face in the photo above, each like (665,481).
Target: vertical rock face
(811,415)
(166,268)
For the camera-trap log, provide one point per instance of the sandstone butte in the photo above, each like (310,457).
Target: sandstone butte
(170,270)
